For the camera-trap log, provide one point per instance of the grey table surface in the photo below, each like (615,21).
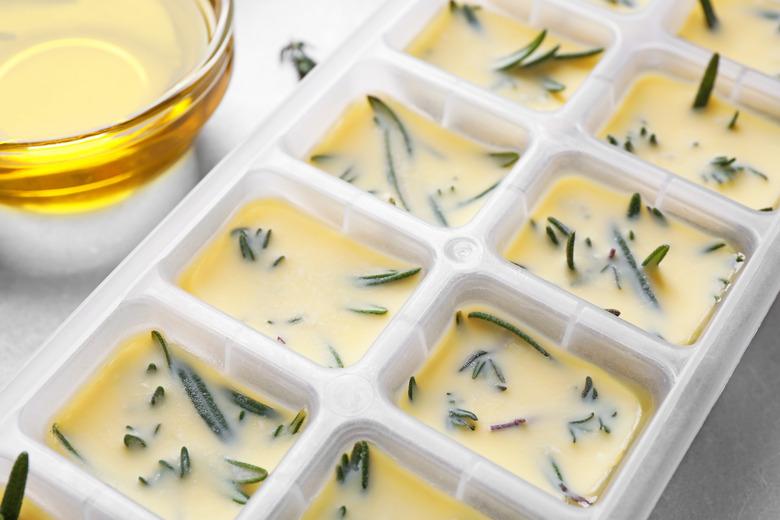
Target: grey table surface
(731,471)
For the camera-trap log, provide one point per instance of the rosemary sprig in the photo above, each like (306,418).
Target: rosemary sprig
(710,18)
(570,252)
(386,118)
(11,506)
(295,53)
(392,176)
(245,473)
(203,401)
(644,284)
(478,196)
(55,430)
(511,328)
(707,83)
(375,310)
(654,259)
(249,404)
(388,276)
(297,422)
(511,424)
(634,206)
(514,59)
(412,388)
(437,211)
(505,159)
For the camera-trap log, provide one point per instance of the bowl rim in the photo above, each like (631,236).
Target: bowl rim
(217,47)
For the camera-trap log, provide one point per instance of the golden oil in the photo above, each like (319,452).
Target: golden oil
(97,97)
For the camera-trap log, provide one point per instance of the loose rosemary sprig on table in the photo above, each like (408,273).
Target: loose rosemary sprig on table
(511,328)
(295,53)
(11,505)
(707,83)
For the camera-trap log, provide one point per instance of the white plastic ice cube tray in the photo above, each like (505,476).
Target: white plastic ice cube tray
(461,265)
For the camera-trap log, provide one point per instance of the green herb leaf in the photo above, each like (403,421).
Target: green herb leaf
(336,357)
(709,14)
(185,465)
(543,58)
(563,228)
(505,159)
(392,176)
(476,197)
(733,121)
(654,259)
(55,430)
(570,252)
(157,396)
(158,337)
(245,473)
(580,54)
(387,119)
(552,86)
(514,59)
(203,401)
(134,442)
(714,247)
(386,277)
(551,235)
(249,404)
(511,328)
(11,505)
(437,211)
(369,309)
(634,206)
(707,83)
(410,391)
(297,422)
(644,284)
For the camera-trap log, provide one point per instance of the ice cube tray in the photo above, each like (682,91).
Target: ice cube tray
(460,265)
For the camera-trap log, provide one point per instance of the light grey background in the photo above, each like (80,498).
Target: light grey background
(733,467)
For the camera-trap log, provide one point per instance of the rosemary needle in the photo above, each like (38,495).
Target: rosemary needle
(437,211)
(570,252)
(634,206)
(369,309)
(707,83)
(654,259)
(511,328)
(514,59)
(387,276)
(733,121)
(505,159)
(387,119)
(644,284)
(412,389)
(11,506)
(710,18)
(55,430)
